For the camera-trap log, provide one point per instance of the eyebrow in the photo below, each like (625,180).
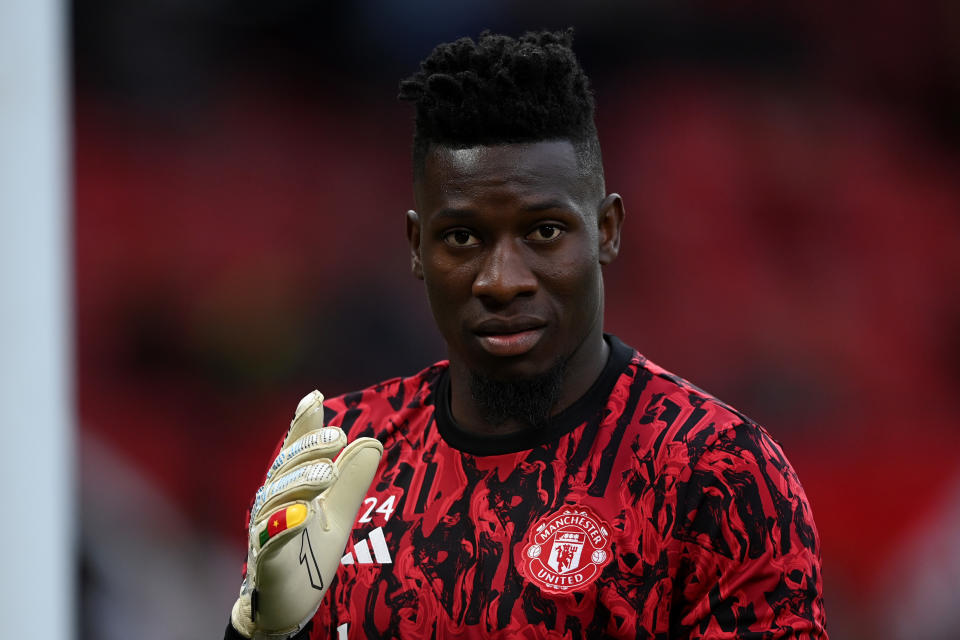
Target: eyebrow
(546,205)
(464,214)
(454,214)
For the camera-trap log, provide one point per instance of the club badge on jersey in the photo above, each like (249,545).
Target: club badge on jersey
(566,550)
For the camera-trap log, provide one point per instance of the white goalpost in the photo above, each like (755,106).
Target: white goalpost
(36,405)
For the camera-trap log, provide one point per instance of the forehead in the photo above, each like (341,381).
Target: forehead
(536,169)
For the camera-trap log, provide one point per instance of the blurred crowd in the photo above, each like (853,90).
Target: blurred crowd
(792,245)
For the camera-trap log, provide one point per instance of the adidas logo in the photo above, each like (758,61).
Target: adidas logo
(381,555)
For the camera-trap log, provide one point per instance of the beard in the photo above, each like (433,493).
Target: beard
(527,400)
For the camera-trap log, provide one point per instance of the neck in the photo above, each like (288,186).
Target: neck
(582,369)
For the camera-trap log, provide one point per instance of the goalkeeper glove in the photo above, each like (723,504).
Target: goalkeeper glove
(300,521)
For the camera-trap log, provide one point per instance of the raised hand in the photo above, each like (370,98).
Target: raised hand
(300,521)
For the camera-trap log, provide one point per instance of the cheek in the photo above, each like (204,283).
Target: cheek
(448,276)
(574,277)
(447,285)
(575,286)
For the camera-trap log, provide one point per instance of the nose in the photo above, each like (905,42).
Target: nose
(504,274)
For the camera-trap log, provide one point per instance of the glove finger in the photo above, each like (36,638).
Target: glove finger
(355,467)
(307,417)
(303,482)
(311,447)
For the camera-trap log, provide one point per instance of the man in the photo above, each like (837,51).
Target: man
(547,481)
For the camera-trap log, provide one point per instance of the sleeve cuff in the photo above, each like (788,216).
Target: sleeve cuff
(233,634)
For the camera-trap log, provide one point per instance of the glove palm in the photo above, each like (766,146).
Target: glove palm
(300,522)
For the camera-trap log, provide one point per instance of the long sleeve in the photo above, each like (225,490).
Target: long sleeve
(748,553)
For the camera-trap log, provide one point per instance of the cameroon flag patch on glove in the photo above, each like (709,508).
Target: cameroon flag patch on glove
(283,520)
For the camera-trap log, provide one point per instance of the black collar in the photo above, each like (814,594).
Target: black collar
(589,404)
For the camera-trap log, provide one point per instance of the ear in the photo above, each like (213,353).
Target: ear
(610,216)
(413,237)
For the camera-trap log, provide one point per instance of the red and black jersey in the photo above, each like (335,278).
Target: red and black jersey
(648,509)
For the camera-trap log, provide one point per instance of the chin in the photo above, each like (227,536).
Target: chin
(517,368)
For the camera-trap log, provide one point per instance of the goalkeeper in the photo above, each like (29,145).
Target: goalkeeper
(547,481)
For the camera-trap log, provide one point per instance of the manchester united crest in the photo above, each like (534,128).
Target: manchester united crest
(566,550)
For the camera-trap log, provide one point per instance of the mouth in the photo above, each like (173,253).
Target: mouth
(513,337)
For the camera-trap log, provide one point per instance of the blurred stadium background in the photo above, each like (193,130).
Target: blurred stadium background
(240,174)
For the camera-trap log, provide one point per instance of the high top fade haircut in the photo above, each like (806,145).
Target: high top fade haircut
(502,90)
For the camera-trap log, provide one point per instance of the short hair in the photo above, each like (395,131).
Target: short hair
(501,90)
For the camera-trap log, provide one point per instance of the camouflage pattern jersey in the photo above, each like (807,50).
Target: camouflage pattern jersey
(648,509)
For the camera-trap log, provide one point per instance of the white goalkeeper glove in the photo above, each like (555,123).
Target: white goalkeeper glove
(300,521)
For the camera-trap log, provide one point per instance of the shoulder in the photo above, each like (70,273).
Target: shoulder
(738,522)
(688,421)
(667,420)
(702,448)
(370,411)
(727,474)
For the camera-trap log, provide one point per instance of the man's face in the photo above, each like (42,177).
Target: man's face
(509,241)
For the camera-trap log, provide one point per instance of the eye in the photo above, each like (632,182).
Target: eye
(460,238)
(545,232)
